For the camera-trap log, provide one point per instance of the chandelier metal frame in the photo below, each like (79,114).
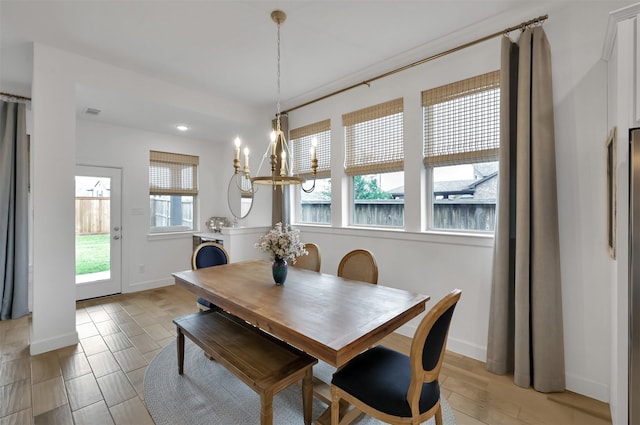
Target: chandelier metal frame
(280,153)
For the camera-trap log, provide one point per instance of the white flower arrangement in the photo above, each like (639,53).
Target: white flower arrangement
(282,242)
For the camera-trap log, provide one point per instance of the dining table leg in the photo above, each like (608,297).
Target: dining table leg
(180,347)
(307,396)
(266,408)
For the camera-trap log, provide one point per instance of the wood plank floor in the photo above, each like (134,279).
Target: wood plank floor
(100,380)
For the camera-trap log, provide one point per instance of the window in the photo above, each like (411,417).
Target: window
(173,187)
(374,158)
(461,142)
(314,207)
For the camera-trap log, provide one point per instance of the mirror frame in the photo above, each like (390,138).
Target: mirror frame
(235,189)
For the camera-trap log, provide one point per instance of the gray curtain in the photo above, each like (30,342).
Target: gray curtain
(525,323)
(14,173)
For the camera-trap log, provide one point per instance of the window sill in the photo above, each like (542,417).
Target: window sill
(438,237)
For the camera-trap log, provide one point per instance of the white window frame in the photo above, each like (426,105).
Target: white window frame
(470,86)
(389,157)
(305,134)
(158,187)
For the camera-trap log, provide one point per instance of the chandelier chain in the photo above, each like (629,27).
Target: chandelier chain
(278,72)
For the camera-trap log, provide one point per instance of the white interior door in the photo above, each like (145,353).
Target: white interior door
(98,232)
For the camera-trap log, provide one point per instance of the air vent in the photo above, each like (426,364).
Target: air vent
(92,111)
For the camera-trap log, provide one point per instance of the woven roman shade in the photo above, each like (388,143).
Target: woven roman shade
(374,139)
(301,143)
(462,121)
(172,174)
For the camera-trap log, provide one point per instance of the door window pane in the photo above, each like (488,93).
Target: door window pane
(93,223)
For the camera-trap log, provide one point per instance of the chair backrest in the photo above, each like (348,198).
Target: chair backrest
(311,261)
(208,254)
(359,264)
(429,344)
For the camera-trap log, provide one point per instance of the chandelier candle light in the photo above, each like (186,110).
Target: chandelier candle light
(280,152)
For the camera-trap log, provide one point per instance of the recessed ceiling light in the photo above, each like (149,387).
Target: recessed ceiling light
(182,127)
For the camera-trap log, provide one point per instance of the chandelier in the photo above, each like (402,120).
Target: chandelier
(279,151)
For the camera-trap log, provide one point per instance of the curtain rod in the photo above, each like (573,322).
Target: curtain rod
(14,96)
(520,26)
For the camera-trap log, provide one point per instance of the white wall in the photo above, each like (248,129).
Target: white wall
(434,264)
(57,74)
(128,149)
(621,53)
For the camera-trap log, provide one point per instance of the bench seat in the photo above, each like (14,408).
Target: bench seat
(266,364)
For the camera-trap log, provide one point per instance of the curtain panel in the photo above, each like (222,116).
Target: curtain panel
(525,323)
(14,181)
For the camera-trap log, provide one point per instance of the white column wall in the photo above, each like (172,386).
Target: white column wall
(53,158)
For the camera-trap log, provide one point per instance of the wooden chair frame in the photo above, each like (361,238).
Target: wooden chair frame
(359,253)
(418,376)
(311,261)
(205,244)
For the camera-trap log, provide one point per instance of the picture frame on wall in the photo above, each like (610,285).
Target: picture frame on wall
(611,150)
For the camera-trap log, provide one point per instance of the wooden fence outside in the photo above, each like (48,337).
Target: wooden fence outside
(455,214)
(92,215)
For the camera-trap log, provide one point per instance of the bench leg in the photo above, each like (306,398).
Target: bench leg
(180,345)
(307,395)
(266,408)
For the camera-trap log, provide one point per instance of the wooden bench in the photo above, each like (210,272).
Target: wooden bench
(266,364)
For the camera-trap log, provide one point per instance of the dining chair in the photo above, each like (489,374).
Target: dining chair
(393,387)
(359,264)
(208,254)
(311,261)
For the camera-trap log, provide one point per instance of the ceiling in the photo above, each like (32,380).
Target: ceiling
(227,49)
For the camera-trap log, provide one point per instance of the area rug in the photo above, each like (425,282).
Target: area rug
(208,394)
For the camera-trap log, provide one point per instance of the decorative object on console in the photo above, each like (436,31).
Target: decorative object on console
(215,224)
(281,157)
(283,244)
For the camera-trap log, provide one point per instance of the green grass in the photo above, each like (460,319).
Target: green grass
(92,253)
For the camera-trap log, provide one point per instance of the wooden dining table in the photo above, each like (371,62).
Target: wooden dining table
(329,317)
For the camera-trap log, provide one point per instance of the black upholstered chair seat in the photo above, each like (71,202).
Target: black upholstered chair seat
(380,378)
(393,387)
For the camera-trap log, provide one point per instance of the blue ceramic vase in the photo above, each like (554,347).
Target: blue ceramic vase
(279,269)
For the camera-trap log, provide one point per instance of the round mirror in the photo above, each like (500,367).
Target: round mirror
(240,195)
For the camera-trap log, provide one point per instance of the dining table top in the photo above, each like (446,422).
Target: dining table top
(329,317)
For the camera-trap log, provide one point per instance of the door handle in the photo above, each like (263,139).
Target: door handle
(116,237)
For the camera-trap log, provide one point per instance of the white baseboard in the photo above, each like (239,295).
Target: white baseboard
(586,387)
(53,343)
(468,349)
(149,284)
(455,345)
